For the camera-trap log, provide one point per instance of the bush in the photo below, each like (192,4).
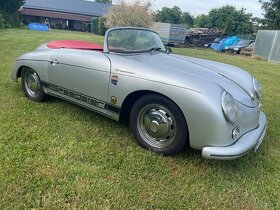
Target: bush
(1,22)
(11,20)
(94,25)
(138,13)
(101,27)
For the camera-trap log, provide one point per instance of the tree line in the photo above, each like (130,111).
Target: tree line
(9,14)
(228,18)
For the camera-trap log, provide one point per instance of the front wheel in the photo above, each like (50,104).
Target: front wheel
(158,125)
(31,85)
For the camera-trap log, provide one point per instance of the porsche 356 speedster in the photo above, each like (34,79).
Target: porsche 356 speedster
(170,101)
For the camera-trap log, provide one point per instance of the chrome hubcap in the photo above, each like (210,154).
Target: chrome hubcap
(32,83)
(156,125)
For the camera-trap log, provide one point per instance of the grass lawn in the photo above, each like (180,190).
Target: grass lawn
(58,155)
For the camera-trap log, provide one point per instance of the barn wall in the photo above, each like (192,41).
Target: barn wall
(56,23)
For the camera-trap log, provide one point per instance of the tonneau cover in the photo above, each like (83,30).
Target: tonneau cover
(74,44)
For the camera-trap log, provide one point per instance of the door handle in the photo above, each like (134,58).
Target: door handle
(53,61)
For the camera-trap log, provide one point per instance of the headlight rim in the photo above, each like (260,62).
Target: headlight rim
(257,87)
(231,119)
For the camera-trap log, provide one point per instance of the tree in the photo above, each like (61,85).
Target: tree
(101,28)
(138,13)
(227,18)
(169,15)
(258,23)
(104,1)
(271,13)
(1,22)
(9,10)
(8,6)
(202,21)
(94,25)
(187,19)
(173,15)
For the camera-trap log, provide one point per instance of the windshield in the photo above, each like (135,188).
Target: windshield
(129,40)
(244,42)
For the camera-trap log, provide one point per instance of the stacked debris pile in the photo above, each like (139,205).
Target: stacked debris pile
(202,37)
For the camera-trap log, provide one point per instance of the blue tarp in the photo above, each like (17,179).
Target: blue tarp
(37,27)
(220,46)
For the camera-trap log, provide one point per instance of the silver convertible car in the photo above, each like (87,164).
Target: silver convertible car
(170,101)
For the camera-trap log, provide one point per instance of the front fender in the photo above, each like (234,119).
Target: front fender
(37,60)
(201,109)
(39,66)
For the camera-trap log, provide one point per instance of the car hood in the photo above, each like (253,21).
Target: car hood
(177,68)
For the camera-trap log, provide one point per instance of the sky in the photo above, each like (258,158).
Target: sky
(197,7)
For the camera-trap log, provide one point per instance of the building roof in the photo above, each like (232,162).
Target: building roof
(80,7)
(53,14)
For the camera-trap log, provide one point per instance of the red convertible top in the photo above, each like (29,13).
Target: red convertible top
(74,44)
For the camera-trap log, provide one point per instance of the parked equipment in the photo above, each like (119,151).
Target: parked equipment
(171,34)
(238,46)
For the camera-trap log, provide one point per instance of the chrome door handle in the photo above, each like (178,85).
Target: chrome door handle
(53,61)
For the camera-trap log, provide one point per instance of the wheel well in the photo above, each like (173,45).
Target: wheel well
(20,70)
(132,98)
(129,102)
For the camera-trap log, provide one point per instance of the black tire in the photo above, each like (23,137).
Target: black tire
(31,85)
(158,124)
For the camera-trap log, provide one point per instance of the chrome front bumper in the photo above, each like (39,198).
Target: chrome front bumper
(247,142)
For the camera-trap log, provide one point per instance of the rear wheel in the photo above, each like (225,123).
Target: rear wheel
(31,85)
(158,125)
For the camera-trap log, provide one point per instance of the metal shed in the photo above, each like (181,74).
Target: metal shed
(268,45)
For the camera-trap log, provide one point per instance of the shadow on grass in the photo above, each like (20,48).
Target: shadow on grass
(249,161)
(186,157)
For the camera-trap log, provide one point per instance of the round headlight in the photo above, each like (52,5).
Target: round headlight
(229,107)
(257,87)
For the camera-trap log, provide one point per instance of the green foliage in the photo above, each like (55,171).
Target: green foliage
(94,25)
(1,22)
(187,19)
(271,14)
(169,15)
(9,10)
(12,20)
(174,15)
(258,24)
(10,6)
(101,27)
(201,21)
(104,1)
(227,18)
(135,13)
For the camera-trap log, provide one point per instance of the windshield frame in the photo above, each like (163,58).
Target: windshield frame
(106,44)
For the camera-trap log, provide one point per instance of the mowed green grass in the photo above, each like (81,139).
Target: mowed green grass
(60,156)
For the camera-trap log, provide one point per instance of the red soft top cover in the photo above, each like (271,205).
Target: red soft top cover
(74,44)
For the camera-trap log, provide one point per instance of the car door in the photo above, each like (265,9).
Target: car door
(80,76)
